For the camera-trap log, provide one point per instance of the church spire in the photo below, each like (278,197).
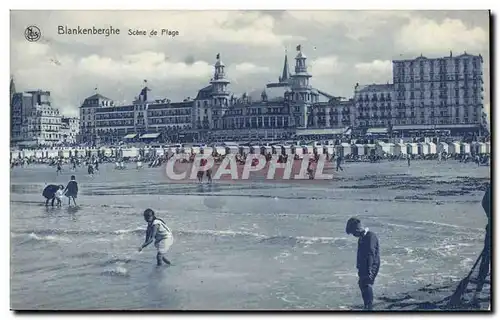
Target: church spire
(12,87)
(285,75)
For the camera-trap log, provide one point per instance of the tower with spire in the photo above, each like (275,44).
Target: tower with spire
(301,95)
(12,88)
(285,77)
(285,74)
(300,83)
(219,83)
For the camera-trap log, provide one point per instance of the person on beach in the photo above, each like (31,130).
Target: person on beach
(484,267)
(49,193)
(409,160)
(368,259)
(339,162)
(71,190)
(59,195)
(96,164)
(201,173)
(59,167)
(209,175)
(158,232)
(91,169)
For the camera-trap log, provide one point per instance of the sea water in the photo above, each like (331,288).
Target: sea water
(252,245)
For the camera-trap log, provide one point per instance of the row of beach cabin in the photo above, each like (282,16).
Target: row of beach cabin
(344,149)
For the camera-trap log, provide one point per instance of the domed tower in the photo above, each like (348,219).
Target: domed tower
(219,83)
(301,77)
(300,96)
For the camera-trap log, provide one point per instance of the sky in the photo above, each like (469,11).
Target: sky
(343,48)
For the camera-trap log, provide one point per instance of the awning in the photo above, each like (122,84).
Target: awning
(377,130)
(27,143)
(319,131)
(150,135)
(130,136)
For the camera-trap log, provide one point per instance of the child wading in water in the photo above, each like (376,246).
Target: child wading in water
(159,233)
(71,190)
(59,195)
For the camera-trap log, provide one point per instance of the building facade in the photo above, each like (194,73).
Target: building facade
(375,108)
(70,128)
(112,123)
(442,93)
(88,110)
(212,102)
(216,114)
(34,121)
(21,108)
(427,95)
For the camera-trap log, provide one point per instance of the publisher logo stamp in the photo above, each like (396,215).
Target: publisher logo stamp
(32,33)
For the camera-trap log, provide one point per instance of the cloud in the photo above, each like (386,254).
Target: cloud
(203,27)
(146,65)
(251,44)
(429,36)
(357,24)
(249,68)
(382,67)
(328,65)
(376,71)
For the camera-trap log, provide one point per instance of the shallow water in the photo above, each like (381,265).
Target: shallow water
(241,246)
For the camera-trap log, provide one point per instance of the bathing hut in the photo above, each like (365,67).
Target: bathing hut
(369,149)
(412,148)
(464,148)
(207,150)
(400,148)
(443,147)
(386,148)
(298,150)
(65,153)
(343,149)
(286,149)
(255,149)
(482,147)
(432,147)
(268,149)
(244,150)
(488,147)
(358,150)
(52,153)
(454,147)
(329,149)
(28,153)
(220,150)
(423,148)
(232,150)
(195,150)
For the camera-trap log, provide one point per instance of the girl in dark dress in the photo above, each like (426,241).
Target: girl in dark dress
(71,190)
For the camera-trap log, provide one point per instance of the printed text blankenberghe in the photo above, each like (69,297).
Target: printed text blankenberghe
(87,31)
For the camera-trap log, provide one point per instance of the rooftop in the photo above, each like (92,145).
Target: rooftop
(374,87)
(451,56)
(97,96)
